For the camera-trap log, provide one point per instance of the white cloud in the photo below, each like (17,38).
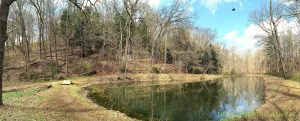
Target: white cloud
(244,42)
(285,25)
(153,3)
(231,35)
(247,39)
(212,5)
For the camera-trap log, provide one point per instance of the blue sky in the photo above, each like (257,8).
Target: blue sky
(233,27)
(222,18)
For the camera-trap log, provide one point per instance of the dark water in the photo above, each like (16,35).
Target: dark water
(197,101)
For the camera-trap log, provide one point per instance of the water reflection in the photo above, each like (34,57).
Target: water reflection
(197,101)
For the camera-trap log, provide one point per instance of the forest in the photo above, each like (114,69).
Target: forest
(53,40)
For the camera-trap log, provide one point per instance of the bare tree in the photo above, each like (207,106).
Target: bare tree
(176,13)
(4,11)
(131,9)
(39,7)
(268,20)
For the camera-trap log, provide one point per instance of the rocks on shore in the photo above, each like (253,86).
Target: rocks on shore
(66,82)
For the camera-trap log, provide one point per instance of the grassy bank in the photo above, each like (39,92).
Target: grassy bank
(22,105)
(295,76)
(56,103)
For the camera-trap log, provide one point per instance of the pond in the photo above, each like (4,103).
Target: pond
(196,101)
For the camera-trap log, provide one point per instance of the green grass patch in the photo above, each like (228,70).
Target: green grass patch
(97,94)
(21,93)
(295,76)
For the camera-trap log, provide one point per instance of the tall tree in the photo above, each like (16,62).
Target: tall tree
(39,7)
(20,14)
(176,13)
(268,20)
(275,36)
(131,10)
(4,11)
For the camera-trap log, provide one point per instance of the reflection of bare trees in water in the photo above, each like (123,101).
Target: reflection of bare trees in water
(235,86)
(188,101)
(248,89)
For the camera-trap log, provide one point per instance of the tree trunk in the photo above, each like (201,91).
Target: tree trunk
(165,53)
(51,57)
(126,47)
(121,49)
(280,57)
(23,35)
(3,38)
(67,55)
(39,6)
(4,11)
(55,47)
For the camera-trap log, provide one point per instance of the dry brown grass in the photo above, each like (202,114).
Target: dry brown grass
(57,103)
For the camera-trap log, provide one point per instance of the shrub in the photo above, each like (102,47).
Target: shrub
(294,76)
(194,67)
(86,65)
(123,68)
(155,70)
(30,76)
(51,67)
(232,72)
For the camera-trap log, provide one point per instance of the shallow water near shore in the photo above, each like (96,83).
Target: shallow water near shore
(195,101)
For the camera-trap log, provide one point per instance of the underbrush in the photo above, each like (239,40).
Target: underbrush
(295,76)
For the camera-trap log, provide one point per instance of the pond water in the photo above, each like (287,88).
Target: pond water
(196,101)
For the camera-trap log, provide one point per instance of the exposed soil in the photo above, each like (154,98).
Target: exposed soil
(61,102)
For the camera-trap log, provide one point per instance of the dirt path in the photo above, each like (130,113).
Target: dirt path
(66,103)
(59,103)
